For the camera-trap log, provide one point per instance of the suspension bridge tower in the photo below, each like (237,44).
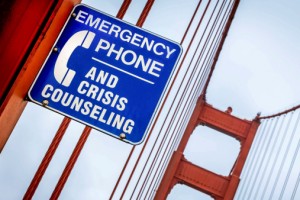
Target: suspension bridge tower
(180,170)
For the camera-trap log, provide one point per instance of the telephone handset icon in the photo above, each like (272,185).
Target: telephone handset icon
(62,73)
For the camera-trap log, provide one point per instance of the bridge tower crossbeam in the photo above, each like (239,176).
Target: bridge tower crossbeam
(180,170)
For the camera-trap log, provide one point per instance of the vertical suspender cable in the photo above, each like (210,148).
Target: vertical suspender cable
(176,112)
(47,158)
(169,150)
(191,21)
(263,154)
(292,162)
(210,61)
(140,23)
(275,135)
(67,171)
(82,139)
(145,13)
(165,136)
(220,47)
(249,162)
(121,174)
(296,187)
(175,138)
(255,160)
(123,9)
(271,173)
(284,158)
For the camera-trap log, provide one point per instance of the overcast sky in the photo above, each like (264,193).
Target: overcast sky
(257,72)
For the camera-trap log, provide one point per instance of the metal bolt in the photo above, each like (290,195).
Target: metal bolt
(73,14)
(122,136)
(55,49)
(45,102)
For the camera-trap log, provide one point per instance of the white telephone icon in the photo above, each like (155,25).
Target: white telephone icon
(62,73)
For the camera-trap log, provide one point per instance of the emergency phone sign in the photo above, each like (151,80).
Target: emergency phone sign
(106,73)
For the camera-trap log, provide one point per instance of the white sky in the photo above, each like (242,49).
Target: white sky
(256,72)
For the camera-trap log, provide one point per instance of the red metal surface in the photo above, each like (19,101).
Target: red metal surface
(59,16)
(201,179)
(47,158)
(180,170)
(245,148)
(224,122)
(169,179)
(20,30)
(15,103)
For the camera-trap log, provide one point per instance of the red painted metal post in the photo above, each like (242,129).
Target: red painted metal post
(246,145)
(67,171)
(20,28)
(47,158)
(32,51)
(168,180)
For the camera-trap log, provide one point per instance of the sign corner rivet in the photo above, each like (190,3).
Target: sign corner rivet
(55,49)
(122,136)
(45,102)
(73,14)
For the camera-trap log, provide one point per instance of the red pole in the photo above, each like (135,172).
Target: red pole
(123,9)
(47,158)
(145,13)
(67,171)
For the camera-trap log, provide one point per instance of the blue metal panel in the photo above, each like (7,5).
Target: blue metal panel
(106,73)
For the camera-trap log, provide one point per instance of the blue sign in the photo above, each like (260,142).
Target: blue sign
(106,73)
